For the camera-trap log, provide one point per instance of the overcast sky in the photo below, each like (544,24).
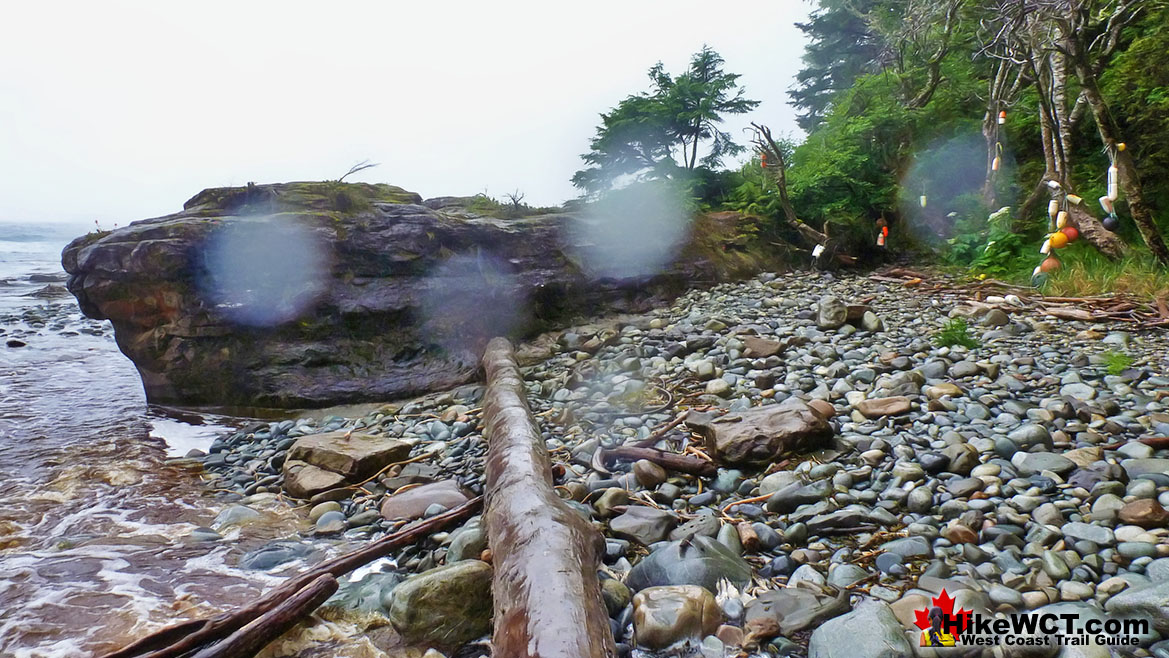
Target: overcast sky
(116,111)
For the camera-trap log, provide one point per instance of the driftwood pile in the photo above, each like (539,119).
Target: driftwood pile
(1117,307)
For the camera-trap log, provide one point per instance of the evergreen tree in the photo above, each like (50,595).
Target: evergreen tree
(656,133)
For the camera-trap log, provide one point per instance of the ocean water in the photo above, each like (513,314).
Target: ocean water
(94,524)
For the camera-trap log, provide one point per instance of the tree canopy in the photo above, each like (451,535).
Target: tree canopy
(992,110)
(657,133)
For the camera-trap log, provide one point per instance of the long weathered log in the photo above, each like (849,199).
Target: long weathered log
(185,637)
(546,594)
(247,641)
(668,460)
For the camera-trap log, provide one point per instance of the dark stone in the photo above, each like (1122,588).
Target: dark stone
(696,561)
(385,297)
(274,554)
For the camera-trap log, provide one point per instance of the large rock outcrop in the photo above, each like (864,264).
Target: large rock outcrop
(309,294)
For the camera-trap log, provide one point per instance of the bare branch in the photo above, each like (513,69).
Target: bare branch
(360,166)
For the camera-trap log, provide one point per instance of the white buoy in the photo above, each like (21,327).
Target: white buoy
(923,200)
(994,164)
(1046,246)
(1074,199)
(1106,204)
(1061,220)
(1052,208)
(1053,184)
(1113,183)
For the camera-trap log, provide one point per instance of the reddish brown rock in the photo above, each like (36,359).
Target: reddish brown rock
(762,434)
(823,408)
(761,348)
(879,407)
(412,503)
(960,534)
(1147,513)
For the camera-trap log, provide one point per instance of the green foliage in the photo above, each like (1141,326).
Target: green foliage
(955,332)
(483,204)
(1086,272)
(646,132)
(1116,362)
(1137,86)
(841,47)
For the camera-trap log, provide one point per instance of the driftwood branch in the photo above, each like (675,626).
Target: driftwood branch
(668,460)
(546,594)
(248,640)
(185,637)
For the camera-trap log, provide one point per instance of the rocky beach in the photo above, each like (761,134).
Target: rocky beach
(852,470)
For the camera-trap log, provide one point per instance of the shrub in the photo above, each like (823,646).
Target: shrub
(955,332)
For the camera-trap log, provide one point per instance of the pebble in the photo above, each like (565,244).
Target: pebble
(989,458)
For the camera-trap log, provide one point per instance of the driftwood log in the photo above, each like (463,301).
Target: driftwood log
(181,639)
(546,594)
(248,640)
(670,461)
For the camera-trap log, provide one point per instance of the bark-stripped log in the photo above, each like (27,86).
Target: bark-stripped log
(547,597)
(248,640)
(185,637)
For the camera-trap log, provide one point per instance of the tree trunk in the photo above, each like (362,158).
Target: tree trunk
(1060,114)
(1130,181)
(547,597)
(990,134)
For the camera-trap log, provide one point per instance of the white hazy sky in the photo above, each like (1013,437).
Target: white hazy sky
(115,111)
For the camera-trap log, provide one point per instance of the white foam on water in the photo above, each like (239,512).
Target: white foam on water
(182,437)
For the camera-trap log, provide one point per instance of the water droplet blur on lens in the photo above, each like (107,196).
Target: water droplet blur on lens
(632,232)
(469,299)
(264,271)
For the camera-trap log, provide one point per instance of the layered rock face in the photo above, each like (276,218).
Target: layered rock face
(309,294)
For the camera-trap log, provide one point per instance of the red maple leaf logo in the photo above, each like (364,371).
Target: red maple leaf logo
(946,603)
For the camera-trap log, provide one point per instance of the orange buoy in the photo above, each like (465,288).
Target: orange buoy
(1059,240)
(1002,117)
(1072,232)
(1049,264)
(764,161)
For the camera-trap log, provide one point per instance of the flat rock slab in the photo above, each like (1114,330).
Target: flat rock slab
(876,408)
(353,455)
(797,608)
(645,525)
(763,434)
(761,348)
(303,480)
(869,631)
(412,503)
(700,561)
